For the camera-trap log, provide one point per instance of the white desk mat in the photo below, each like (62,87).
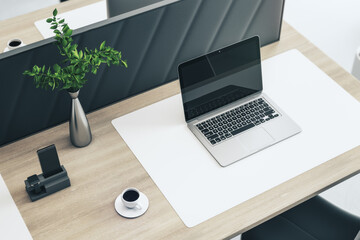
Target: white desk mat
(192,181)
(77,18)
(12,226)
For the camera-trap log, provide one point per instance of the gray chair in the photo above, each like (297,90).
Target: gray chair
(315,219)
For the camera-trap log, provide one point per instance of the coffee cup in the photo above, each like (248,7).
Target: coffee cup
(130,198)
(14,43)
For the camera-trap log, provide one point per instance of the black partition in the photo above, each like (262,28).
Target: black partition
(154,41)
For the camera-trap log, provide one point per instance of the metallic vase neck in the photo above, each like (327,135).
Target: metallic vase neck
(74,95)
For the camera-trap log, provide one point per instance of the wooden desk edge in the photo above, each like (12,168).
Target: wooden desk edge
(303,187)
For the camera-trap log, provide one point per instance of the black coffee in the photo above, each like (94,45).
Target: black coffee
(14,43)
(131,195)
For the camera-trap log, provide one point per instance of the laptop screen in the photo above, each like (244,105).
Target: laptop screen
(221,77)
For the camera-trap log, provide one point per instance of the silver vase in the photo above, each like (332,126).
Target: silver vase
(80,133)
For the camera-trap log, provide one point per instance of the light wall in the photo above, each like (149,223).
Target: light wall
(332,25)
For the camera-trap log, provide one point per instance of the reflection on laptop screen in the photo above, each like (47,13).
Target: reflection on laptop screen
(221,77)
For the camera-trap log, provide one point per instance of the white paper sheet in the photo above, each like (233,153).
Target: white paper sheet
(77,18)
(192,181)
(12,226)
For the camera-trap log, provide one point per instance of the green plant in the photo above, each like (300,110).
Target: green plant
(71,76)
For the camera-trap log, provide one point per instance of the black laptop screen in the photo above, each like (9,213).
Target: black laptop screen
(221,77)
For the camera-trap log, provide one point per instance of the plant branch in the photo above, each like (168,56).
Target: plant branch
(77,63)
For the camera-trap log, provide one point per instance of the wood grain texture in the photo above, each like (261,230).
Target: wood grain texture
(102,170)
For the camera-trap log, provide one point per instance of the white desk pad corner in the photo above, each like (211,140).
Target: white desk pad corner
(12,226)
(192,181)
(77,18)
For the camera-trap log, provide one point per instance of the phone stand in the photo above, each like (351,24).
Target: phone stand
(54,177)
(37,186)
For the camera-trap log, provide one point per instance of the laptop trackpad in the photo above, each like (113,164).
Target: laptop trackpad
(255,139)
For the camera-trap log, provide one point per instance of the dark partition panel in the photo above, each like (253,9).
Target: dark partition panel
(154,42)
(116,7)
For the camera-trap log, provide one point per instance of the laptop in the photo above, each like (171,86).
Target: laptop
(225,106)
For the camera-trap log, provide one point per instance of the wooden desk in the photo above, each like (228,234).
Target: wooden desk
(102,170)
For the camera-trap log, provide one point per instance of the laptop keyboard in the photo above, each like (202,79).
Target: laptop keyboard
(237,120)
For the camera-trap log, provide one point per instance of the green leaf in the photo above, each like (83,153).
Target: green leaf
(62,21)
(102,45)
(124,63)
(75,53)
(68,33)
(73,47)
(53,27)
(56,68)
(97,60)
(80,54)
(55,12)
(78,71)
(49,20)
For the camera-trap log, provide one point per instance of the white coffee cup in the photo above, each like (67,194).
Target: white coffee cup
(130,198)
(13,44)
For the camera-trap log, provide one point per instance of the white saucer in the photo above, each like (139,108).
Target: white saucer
(6,49)
(132,212)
